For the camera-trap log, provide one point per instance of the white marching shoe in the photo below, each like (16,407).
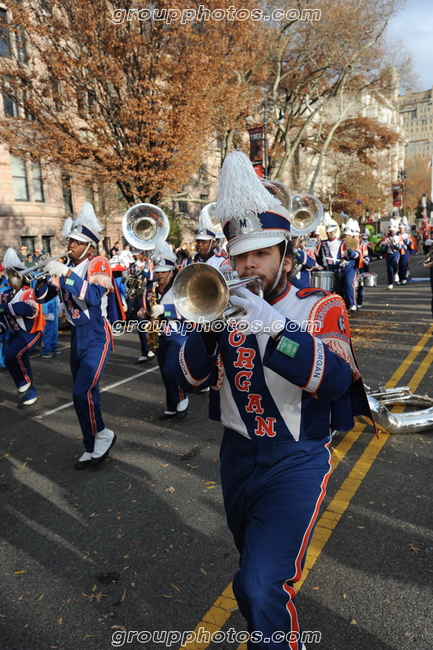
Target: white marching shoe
(104,440)
(150,354)
(84,460)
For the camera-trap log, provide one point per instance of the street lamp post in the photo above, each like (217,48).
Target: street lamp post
(402,176)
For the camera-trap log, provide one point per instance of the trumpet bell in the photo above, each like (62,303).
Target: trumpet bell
(200,293)
(305,214)
(144,224)
(15,279)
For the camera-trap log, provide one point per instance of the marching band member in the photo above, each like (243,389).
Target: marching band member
(83,285)
(206,245)
(363,262)
(23,317)
(147,276)
(305,259)
(171,338)
(390,248)
(348,269)
(405,247)
(277,388)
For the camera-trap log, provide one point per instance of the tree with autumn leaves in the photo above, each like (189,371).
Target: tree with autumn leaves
(136,102)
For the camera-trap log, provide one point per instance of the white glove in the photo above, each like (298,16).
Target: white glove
(260,316)
(428,242)
(49,316)
(156,311)
(55,268)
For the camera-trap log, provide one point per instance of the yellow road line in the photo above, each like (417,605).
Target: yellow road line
(409,359)
(220,611)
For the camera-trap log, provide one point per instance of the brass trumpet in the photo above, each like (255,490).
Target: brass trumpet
(201,293)
(16,278)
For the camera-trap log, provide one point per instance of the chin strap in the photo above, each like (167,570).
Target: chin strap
(85,251)
(280,270)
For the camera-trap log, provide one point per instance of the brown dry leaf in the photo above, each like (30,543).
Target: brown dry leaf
(174,587)
(120,535)
(17,572)
(88,635)
(169,489)
(40,597)
(60,621)
(315,588)
(344,596)
(99,596)
(123,595)
(128,488)
(167,596)
(413,548)
(118,627)
(353,622)
(21,597)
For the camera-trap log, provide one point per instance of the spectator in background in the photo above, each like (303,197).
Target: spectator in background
(29,261)
(22,255)
(182,254)
(4,338)
(115,249)
(50,335)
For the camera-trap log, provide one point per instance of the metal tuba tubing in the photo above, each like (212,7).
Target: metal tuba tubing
(201,293)
(415,422)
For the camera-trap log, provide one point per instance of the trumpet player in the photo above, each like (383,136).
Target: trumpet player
(84,286)
(277,387)
(23,317)
(167,320)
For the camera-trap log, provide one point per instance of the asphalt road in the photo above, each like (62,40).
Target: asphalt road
(141,544)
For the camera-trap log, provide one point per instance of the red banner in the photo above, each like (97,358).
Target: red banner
(258,168)
(396,195)
(256,144)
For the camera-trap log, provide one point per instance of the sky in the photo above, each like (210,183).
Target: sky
(414,25)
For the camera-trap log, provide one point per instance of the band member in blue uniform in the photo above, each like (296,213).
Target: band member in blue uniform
(405,246)
(171,337)
(206,244)
(390,248)
(84,284)
(304,260)
(23,317)
(141,269)
(363,265)
(349,266)
(277,386)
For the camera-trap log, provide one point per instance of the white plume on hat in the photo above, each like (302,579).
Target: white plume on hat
(204,224)
(392,224)
(240,191)
(86,217)
(331,225)
(355,226)
(12,261)
(160,254)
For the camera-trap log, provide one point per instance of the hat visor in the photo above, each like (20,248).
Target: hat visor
(203,237)
(82,238)
(253,244)
(161,268)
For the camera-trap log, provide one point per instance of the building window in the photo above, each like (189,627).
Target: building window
(183,206)
(21,46)
(67,194)
(19,178)
(29,242)
(9,104)
(5,43)
(38,187)
(46,244)
(90,195)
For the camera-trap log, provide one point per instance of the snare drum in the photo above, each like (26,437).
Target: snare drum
(370,279)
(323,280)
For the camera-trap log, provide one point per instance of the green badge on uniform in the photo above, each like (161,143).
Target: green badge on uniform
(167,314)
(69,281)
(287,346)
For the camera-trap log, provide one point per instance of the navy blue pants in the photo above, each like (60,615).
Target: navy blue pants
(272,495)
(392,265)
(348,275)
(143,338)
(89,354)
(168,361)
(17,358)
(403,264)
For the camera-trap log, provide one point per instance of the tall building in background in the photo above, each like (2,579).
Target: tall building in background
(416,110)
